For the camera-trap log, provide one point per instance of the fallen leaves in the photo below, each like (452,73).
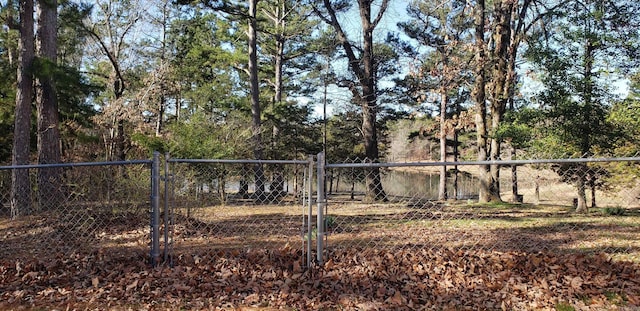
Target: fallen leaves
(351,279)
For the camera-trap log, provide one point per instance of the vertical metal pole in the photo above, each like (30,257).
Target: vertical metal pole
(155,209)
(166,207)
(310,212)
(321,202)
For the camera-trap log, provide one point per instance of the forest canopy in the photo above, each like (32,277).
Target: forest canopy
(282,79)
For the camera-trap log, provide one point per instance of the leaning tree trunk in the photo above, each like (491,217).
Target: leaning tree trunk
(20,184)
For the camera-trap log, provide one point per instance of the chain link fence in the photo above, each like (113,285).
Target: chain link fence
(214,208)
(539,207)
(222,207)
(78,208)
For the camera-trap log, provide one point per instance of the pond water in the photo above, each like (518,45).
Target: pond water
(395,183)
(404,183)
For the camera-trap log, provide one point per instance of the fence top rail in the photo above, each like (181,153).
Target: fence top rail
(227,161)
(72,164)
(501,162)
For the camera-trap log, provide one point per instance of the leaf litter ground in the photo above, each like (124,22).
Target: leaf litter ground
(416,277)
(353,280)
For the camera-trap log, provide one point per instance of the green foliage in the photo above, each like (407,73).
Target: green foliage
(296,136)
(205,137)
(72,90)
(441,57)
(614,211)
(575,63)
(330,222)
(519,127)
(151,143)
(563,306)
(619,299)
(344,137)
(517,134)
(625,118)
(7,99)
(208,63)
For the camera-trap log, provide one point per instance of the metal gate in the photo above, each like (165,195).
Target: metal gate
(215,208)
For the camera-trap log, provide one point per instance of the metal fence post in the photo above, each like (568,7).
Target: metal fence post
(166,179)
(309,197)
(155,209)
(321,202)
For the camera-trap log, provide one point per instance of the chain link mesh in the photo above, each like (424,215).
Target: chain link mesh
(537,210)
(214,208)
(77,209)
(222,208)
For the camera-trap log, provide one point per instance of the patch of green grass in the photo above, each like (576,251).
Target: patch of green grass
(496,205)
(615,298)
(330,222)
(614,211)
(563,306)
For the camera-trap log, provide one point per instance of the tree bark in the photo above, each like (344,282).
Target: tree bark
(582,193)
(500,87)
(514,178)
(256,125)
(280,38)
(442,188)
(363,68)
(479,97)
(47,106)
(20,184)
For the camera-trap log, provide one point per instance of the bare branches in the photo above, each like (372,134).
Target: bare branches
(383,8)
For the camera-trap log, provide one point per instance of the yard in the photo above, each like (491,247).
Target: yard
(396,255)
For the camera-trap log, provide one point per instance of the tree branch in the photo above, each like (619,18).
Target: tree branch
(354,62)
(383,8)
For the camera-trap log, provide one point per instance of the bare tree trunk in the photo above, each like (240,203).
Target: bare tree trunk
(362,65)
(163,64)
(537,191)
(20,184)
(479,97)
(161,108)
(442,189)
(500,88)
(47,105)
(11,53)
(279,21)
(375,191)
(585,143)
(582,195)
(514,178)
(592,186)
(456,173)
(256,125)
(370,104)
(121,151)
